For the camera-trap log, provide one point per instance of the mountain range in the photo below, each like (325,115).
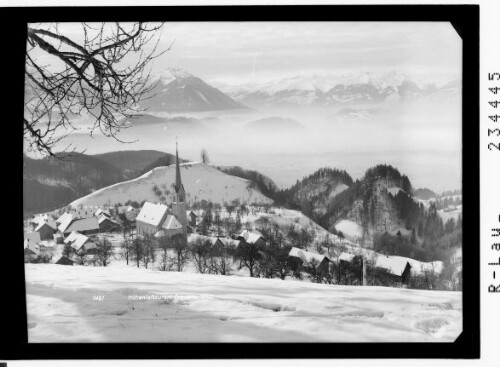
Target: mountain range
(320,90)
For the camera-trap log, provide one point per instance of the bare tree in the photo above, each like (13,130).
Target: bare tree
(204,156)
(101,73)
(104,252)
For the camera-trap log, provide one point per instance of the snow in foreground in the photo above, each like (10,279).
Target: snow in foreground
(63,306)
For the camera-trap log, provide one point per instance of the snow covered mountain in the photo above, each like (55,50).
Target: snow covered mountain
(201,181)
(177,90)
(309,90)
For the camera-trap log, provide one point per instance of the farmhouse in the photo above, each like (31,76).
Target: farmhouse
(309,258)
(156,219)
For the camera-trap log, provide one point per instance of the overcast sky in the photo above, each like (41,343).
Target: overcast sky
(256,50)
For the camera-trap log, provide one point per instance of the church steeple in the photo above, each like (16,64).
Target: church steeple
(179,187)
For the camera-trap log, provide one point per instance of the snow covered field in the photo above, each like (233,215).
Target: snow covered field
(95,304)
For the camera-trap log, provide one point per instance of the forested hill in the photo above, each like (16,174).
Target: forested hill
(265,184)
(377,211)
(313,193)
(50,183)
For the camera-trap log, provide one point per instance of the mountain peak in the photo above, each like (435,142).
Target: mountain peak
(172,73)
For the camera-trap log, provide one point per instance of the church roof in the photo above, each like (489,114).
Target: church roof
(171,223)
(152,213)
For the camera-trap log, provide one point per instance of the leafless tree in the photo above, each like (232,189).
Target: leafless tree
(105,251)
(102,72)
(204,156)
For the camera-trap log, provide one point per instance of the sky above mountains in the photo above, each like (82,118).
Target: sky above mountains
(240,52)
(236,52)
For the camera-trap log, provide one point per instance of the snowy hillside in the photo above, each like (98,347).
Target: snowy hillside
(83,304)
(202,182)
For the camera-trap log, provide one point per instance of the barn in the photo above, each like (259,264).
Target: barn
(399,267)
(307,258)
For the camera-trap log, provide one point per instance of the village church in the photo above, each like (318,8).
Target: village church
(157,220)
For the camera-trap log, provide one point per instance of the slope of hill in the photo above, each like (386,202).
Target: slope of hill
(263,183)
(179,91)
(424,194)
(51,183)
(202,182)
(214,308)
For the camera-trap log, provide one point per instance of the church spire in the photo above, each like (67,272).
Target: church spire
(179,188)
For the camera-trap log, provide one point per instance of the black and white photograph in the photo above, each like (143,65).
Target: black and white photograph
(243,182)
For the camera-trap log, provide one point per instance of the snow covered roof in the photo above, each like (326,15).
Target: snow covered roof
(81,224)
(80,240)
(306,256)
(394,264)
(250,236)
(344,256)
(190,212)
(33,247)
(51,224)
(71,237)
(33,237)
(63,217)
(65,220)
(152,213)
(171,223)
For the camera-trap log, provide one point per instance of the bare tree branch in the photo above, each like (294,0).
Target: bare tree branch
(102,76)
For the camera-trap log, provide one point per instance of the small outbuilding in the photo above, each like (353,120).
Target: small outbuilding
(192,218)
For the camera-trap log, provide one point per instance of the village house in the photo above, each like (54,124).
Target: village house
(157,220)
(309,258)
